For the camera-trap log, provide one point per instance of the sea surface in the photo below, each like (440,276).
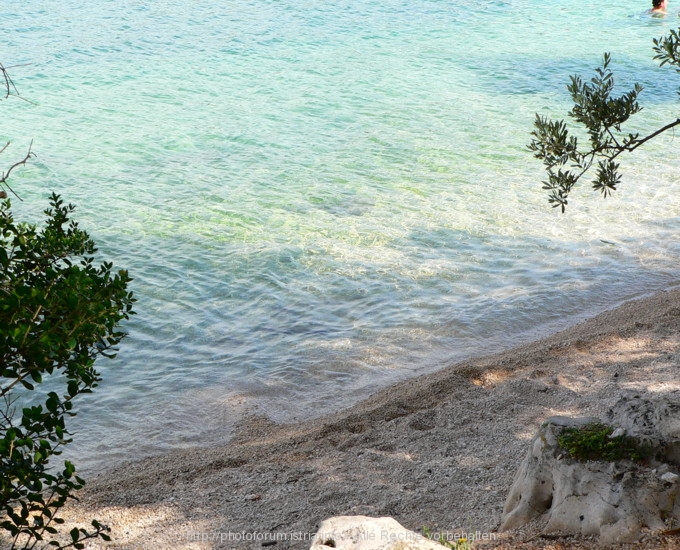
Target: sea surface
(319,198)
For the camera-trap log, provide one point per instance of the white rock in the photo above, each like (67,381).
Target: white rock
(654,420)
(366,533)
(670,477)
(610,500)
(618,432)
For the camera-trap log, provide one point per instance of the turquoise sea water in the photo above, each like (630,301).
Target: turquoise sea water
(316,199)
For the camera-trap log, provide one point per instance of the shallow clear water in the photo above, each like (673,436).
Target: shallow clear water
(318,198)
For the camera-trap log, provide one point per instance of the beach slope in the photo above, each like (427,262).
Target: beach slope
(438,451)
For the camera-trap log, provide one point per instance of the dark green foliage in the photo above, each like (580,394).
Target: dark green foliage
(667,49)
(59,311)
(602,116)
(594,442)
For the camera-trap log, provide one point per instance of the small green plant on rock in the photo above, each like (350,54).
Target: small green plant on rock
(595,442)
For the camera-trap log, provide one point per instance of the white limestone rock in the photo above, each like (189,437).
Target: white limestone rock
(366,533)
(670,477)
(653,420)
(612,500)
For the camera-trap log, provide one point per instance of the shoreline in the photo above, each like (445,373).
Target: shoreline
(294,409)
(439,450)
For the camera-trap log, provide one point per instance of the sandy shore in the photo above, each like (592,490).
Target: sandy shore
(438,451)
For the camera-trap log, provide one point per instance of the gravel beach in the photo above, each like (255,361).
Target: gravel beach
(439,451)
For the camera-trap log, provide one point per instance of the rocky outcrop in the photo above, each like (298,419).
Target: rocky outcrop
(654,421)
(366,533)
(616,501)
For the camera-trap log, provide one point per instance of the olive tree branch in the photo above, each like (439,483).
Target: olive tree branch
(652,135)
(602,116)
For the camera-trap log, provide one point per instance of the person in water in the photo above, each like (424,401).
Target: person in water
(659,6)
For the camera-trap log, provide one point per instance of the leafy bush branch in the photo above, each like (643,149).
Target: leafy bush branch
(602,115)
(59,311)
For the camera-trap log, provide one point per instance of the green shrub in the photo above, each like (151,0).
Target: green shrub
(59,311)
(594,442)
